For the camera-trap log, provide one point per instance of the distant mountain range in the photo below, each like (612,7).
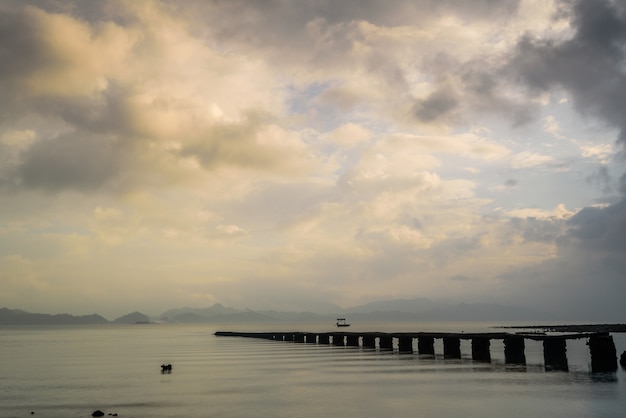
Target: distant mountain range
(386,311)
(19,317)
(396,310)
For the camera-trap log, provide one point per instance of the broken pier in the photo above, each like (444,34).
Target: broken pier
(601,345)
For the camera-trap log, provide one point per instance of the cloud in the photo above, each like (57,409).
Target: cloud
(601,229)
(599,152)
(529,159)
(589,65)
(510,183)
(437,105)
(349,135)
(52,55)
(83,162)
(124,97)
(585,278)
(228,231)
(251,143)
(224,150)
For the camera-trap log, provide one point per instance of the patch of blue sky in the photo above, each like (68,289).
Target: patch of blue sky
(301,98)
(322,114)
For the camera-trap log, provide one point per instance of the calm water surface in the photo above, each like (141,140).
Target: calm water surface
(72,371)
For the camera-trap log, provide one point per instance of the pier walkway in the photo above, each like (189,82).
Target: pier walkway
(601,345)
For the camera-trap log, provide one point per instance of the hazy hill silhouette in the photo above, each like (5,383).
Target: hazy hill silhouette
(19,317)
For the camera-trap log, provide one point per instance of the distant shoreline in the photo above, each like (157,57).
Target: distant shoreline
(572,328)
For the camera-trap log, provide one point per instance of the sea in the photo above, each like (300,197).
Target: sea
(72,371)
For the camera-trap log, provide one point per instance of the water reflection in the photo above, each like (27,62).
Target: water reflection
(605,377)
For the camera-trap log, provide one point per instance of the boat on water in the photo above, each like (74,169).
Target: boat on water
(341,322)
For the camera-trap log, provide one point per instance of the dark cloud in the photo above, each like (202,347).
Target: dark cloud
(547,231)
(622,184)
(586,280)
(436,106)
(322,34)
(602,178)
(32,67)
(75,161)
(581,287)
(485,88)
(481,87)
(271,19)
(22,53)
(510,183)
(601,229)
(20,48)
(50,73)
(590,65)
(37,78)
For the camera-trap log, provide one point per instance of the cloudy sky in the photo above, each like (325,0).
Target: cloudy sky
(279,154)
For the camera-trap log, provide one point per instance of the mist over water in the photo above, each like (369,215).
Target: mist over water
(72,371)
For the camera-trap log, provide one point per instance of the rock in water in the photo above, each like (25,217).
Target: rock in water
(97,413)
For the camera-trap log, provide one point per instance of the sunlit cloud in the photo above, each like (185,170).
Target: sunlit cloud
(528,159)
(155,153)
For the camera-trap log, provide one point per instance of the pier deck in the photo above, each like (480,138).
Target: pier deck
(601,345)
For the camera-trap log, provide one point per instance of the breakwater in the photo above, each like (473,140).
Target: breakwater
(601,346)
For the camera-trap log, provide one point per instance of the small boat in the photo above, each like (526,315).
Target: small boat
(341,322)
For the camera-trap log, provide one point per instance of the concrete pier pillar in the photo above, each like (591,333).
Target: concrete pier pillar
(338,339)
(369,341)
(279,337)
(554,354)
(352,340)
(514,350)
(426,345)
(288,337)
(298,337)
(386,342)
(310,338)
(480,349)
(405,344)
(452,347)
(324,339)
(603,354)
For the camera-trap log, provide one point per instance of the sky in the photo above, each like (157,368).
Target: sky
(279,154)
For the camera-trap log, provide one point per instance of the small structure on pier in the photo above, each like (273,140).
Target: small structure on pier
(341,322)
(601,345)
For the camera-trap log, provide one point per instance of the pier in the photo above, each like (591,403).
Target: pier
(601,346)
